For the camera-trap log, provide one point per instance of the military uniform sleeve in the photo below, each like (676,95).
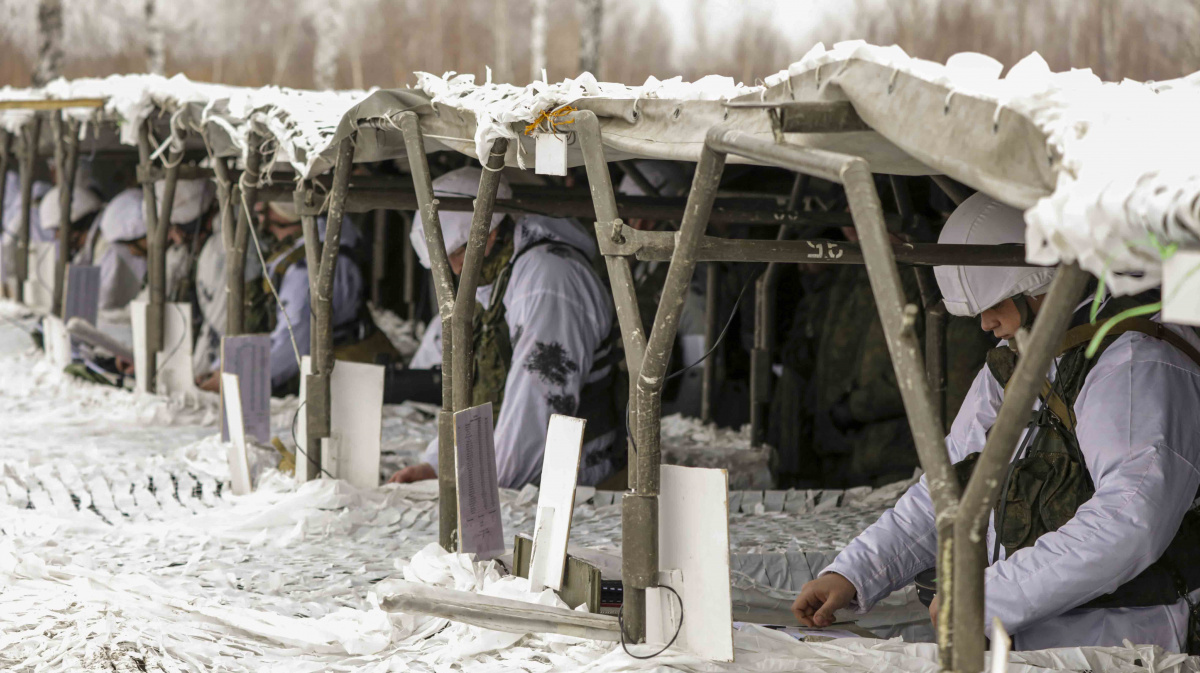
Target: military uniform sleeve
(888,554)
(1138,423)
(555,334)
(295,304)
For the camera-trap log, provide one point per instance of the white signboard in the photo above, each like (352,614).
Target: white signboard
(141,356)
(239,465)
(356,423)
(39,286)
(480,530)
(556,501)
(693,559)
(174,364)
(56,341)
(249,357)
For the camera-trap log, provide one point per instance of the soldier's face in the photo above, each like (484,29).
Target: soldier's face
(459,257)
(1002,320)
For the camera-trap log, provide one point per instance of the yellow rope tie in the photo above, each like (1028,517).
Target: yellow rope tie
(551,118)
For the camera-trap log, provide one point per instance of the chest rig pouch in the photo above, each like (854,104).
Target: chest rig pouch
(1048,480)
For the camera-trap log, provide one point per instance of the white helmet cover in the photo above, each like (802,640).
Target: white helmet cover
(84,202)
(971,290)
(456,226)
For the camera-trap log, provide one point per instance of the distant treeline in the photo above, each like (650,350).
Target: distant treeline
(363,43)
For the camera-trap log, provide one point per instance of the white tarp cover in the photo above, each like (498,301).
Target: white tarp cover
(1106,171)
(1103,169)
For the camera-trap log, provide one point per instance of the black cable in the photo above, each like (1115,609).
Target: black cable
(678,628)
(301,451)
(713,349)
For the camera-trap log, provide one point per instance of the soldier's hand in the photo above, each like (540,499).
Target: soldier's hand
(419,472)
(819,599)
(933,611)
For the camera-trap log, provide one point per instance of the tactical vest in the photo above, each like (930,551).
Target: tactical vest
(359,340)
(1048,479)
(493,352)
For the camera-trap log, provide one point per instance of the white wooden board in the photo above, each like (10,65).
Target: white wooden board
(239,465)
(39,286)
(249,357)
(1181,288)
(356,423)
(693,539)
(141,357)
(82,298)
(305,469)
(56,341)
(174,363)
(556,501)
(480,530)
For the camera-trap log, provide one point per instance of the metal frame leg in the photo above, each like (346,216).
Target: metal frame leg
(620,274)
(464,305)
(245,197)
(443,285)
(66,161)
(30,134)
(708,380)
(158,221)
(378,257)
(320,280)
(970,528)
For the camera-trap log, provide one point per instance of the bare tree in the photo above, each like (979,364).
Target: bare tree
(591,31)
(537,42)
(501,65)
(156,58)
(50,41)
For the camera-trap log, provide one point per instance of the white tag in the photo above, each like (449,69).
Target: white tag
(1181,288)
(551,154)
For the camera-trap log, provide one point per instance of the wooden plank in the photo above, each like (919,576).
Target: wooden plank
(581,574)
(239,465)
(480,530)
(356,423)
(49,104)
(693,538)
(499,614)
(556,501)
(249,358)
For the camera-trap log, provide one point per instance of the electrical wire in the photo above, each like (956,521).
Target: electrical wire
(717,344)
(301,451)
(678,628)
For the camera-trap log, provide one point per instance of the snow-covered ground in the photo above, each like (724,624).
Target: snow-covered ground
(122,549)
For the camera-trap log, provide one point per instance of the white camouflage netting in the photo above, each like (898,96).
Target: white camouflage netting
(1127,183)
(1122,186)
(121,548)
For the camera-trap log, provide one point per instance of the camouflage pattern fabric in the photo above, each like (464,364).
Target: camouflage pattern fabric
(492,348)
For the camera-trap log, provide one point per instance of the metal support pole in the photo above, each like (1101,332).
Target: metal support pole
(410,268)
(620,274)
(764,330)
(639,512)
(320,284)
(30,135)
(464,305)
(157,223)
(935,338)
(898,320)
(443,284)
(237,243)
(228,199)
(66,161)
(378,257)
(970,551)
(5,156)
(708,380)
